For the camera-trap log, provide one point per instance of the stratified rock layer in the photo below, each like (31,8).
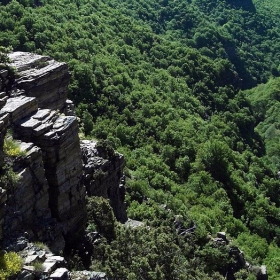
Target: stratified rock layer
(103,176)
(57,136)
(48,201)
(42,77)
(4,117)
(27,208)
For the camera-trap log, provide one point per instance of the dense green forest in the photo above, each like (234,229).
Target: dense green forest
(188,91)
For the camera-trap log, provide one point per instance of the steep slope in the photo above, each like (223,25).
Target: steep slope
(160,81)
(265,101)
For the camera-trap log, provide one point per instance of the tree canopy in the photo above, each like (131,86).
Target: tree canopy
(188,91)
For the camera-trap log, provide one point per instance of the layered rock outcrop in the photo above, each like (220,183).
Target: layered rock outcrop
(43,78)
(48,200)
(103,175)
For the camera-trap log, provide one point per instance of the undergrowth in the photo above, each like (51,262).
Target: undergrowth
(10,264)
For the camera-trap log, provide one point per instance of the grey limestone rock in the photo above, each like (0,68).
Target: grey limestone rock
(222,235)
(57,137)
(4,120)
(133,223)
(19,107)
(104,176)
(48,201)
(260,272)
(25,275)
(60,274)
(27,206)
(52,266)
(42,77)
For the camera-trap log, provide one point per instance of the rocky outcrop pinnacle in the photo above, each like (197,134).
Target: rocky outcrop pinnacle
(103,176)
(47,203)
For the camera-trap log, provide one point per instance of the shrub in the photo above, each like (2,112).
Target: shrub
(100,213)
(12,148)
(38,266)
(8,178)
(3,55)
(10,264)
(42,246)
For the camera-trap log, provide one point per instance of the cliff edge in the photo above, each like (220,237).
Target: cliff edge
(54,170)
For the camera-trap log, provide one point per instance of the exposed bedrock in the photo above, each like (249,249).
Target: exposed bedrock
(54,171)
(103,176)
(41,77)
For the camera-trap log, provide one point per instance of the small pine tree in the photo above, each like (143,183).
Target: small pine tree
(4,59)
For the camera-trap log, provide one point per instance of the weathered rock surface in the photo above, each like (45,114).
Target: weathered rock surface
(57,135)
(43,78)
(4,120)
(48,201)
(61,273)
(19,107)
(4,117)
(27,208)
(39,262)
(103,176)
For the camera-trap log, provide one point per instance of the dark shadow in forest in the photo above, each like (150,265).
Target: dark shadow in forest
(247,5)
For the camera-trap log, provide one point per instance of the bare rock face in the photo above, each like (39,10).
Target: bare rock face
(43,78)
(55,172)
(88,275)
(38,261)
(4,82)
(48,201)
(57,137)
(27,208)
(4,121)
(4,117)
(103,175)
(19,107)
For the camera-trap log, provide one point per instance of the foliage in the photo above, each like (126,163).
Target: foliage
(3,55)
(11,147)
(162,82)
(101,214)
(265,101)
(8,178)
(155,253)
(38,266)
(10,264)
(42,246)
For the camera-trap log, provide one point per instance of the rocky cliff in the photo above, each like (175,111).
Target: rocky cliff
(54,170)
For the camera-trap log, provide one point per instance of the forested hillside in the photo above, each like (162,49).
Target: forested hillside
(172,86)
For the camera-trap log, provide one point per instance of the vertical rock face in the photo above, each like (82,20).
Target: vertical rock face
(4,118)
(57,136)
(4,121)
(27,207)
(48,200)
(103,175)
